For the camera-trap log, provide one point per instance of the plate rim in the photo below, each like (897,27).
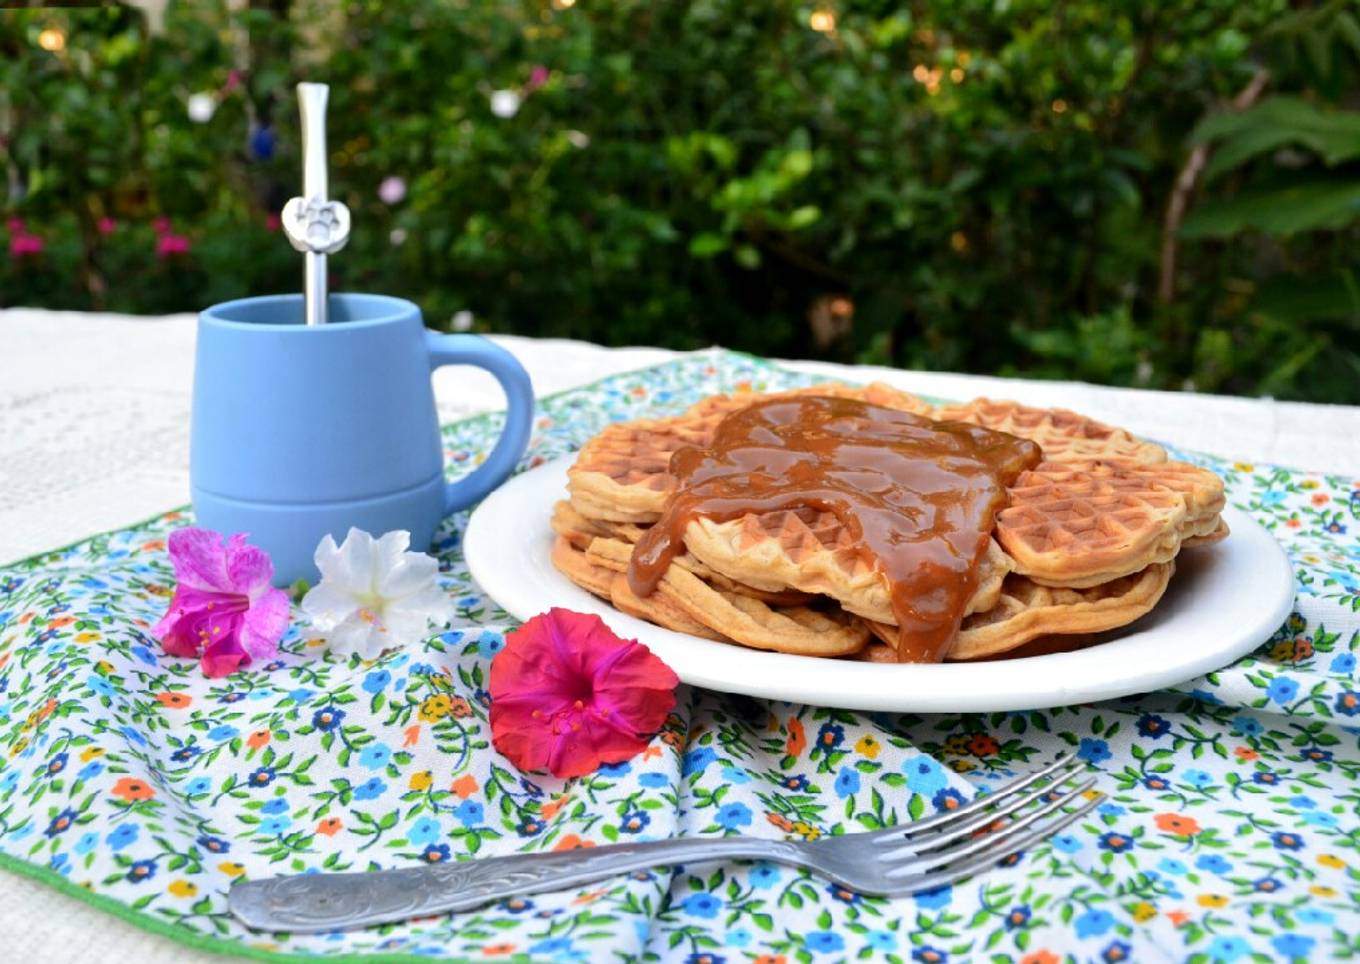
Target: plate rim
(939,688)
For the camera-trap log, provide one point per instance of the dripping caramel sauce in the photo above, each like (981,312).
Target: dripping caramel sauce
(918,497)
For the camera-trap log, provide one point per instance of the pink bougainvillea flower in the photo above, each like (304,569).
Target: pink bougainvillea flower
(171,244)
(22,245)
(567,695)
(224,610)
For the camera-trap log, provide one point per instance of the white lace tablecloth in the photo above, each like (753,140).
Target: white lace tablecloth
(94,419)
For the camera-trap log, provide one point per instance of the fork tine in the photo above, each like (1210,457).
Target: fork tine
(977,803)
(949,875)
(986,842)
(961,828)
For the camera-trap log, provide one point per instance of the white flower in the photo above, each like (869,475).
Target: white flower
(201,106)
(461,320)
(373,594)
(504,103)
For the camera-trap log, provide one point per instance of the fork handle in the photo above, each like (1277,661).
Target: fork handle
(312,903)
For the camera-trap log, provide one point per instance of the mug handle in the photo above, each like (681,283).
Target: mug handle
(519,416)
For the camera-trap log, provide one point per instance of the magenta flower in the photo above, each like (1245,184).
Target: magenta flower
(537,78)
(272,222)
(107,225)
(568,695)
(25,244)
(171,244)
(15,225)
(161,225)
(225,609)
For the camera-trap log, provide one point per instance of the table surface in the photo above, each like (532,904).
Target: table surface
(94,435)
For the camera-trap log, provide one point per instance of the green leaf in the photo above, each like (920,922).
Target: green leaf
(1334,135)
(804,216)
(707,244)
(1305,206)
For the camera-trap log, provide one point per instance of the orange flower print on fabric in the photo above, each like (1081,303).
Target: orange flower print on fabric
(131,789)
(1177,824)
(465,786)
(797,741)
(980,744)
(329,826)
(175,701)
(549,809)
(573,842)
(498,950)
(1040,957)
(258,739)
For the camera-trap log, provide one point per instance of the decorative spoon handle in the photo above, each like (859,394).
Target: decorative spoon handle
(315,225)
(312,106)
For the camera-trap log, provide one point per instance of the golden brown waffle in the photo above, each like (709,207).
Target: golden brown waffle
(812,551)
(621,475)
(572,563)
(1028,611)
(1063,435)
(735,616)
(1083,523)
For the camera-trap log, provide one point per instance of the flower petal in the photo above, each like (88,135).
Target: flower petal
(265,623)
(199,558)
(351,565)
(224,658)
(389,548)
(357,635)
(409,573)
(250,571)
(329,604)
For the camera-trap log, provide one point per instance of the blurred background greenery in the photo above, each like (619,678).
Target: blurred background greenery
(1157,194)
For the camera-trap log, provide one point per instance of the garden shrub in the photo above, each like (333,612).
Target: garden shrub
(969,185)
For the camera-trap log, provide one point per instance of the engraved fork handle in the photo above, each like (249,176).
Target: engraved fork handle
(312,903)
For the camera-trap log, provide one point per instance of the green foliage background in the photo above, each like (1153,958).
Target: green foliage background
(974,185)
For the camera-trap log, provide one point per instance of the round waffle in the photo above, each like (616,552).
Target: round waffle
(622,474)
(1063,435)
(1028,611)
(1082,523)
(729,615)
(812,551)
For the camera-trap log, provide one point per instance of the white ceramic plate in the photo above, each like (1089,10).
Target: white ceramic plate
(1223,601)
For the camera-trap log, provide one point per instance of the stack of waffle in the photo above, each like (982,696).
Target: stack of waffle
(1087,541)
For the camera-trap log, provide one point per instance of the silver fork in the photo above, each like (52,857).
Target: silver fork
(895,861)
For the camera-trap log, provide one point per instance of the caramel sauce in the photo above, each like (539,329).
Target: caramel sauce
(918,497)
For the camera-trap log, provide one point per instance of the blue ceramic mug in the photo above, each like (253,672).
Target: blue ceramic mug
(299,431)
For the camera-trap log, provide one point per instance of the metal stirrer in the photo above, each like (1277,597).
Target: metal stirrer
(314,225)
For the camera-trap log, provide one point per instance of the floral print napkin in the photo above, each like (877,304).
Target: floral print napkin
(129,779)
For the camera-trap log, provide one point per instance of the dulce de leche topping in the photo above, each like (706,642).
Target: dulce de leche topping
(918,497)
